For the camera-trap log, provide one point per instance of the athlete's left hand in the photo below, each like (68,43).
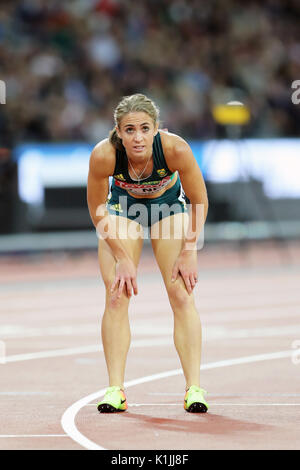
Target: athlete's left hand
(186,266)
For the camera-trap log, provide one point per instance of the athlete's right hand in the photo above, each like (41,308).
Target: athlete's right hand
(125,276)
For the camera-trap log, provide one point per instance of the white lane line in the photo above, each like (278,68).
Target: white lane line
(146,329)
(24,393)
(229,333)
(21,331)
(139,343)
(163,339)
(53,353)
(233,395)
(254,404)
(68,418)
(33,435)
(211,404)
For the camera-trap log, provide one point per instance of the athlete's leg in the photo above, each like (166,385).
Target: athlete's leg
(187,326)
(115,327)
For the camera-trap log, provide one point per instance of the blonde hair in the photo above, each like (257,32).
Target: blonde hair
(129,104)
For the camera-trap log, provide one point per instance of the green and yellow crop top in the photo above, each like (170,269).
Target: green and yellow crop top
(160,177)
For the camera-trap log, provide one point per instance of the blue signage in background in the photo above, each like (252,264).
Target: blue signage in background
(274,162)
(43,166)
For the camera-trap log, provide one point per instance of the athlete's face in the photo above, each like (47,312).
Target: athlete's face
(137,132)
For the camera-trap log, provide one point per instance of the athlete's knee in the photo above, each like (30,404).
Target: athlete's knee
(179,297)
(114,303)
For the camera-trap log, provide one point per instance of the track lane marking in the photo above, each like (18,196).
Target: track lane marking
(68,418)
(139,343)
(211,404)
(211,333)
(4,436)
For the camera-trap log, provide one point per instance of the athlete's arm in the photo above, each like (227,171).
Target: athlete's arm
(101,166)
(194,187)
(181,158)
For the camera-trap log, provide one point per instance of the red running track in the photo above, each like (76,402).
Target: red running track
(51,307)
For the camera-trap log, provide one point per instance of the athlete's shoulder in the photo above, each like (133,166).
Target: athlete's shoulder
(103,157)
(103,149)
(175,148)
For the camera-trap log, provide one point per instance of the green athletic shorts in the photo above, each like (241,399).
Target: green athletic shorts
(147,211)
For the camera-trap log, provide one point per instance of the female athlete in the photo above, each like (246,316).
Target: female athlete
(154,175)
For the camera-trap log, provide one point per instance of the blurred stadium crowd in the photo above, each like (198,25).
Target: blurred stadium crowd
(66,64)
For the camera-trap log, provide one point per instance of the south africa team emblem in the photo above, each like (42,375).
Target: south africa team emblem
(162,172)
(116,207)
(120,177)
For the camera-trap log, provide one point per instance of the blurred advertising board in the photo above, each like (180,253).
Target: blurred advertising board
(273,162)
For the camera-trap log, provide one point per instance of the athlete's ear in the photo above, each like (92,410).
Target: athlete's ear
(156,128)
(118,132)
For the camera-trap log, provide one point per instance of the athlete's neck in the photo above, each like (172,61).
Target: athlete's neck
(141,171)
(139,162)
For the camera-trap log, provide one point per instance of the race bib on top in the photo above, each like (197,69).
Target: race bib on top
(151,187)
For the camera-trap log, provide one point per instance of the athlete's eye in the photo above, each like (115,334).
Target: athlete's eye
(146,128)
(129,130)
